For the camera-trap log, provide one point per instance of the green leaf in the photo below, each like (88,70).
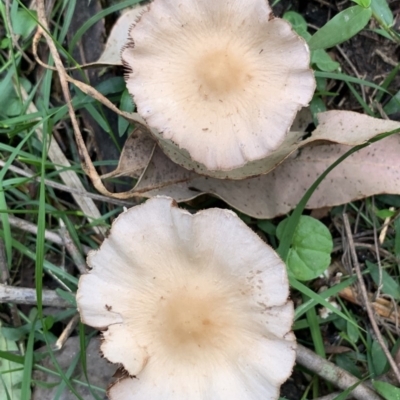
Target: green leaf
(382,12)
(389,285)
(310,252)
(378,358)
(126,104)
(23,23)
(347,362)
(10,372)
(323,61)
(387,391)
(67,296)
(267,226)
(340,28)
(363,3)
(385,213)
(299,24)
(352,332)
(393,106)
(316,106)
(383,33)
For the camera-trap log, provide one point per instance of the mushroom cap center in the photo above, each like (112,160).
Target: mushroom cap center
(220,72)
(191,320)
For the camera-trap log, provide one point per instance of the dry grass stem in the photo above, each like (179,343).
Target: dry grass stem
(366,301)
(353,68)
(73,251)
(385,253)
(87,164)
(385,227)
(66,333)
(70,178)
(65,188)
(92,92)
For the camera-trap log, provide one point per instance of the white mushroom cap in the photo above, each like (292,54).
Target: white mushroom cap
(194,306)
(221,79)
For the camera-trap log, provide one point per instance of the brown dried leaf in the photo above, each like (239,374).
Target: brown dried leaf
(135,155)
(118,37)
(370,171)
(162,172)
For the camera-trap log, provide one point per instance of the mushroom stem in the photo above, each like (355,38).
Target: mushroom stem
(333,374)
(17,295)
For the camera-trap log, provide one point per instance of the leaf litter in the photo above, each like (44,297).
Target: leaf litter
(278,192)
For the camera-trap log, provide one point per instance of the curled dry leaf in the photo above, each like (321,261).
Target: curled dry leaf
(135,155)
(118,37)
(279,191)
(370,171)
(161,172)
(373,170)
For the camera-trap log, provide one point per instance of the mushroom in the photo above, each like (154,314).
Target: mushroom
(192,306)
(219,80)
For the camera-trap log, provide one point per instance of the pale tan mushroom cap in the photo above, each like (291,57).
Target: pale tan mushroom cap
(222,79)
(195,306)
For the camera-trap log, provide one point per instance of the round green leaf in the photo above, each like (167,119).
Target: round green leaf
(310,252)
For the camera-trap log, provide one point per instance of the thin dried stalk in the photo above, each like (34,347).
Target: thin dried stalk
(73,251)
(66,332)
(87,164)
(367,304)
(66,188)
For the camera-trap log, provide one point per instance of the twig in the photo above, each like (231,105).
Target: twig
(353,68)
(368,246)
(17,295)
(385,58)
(365,298)
(72,249)
(384,308)
(378,256)
(84,87)
(92,92)
(5,279)
(87,164)
(66,188)
(69,177)
(14,37)
(32,228)
(385,227)
(66,332)
(4,274)
(333,374)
